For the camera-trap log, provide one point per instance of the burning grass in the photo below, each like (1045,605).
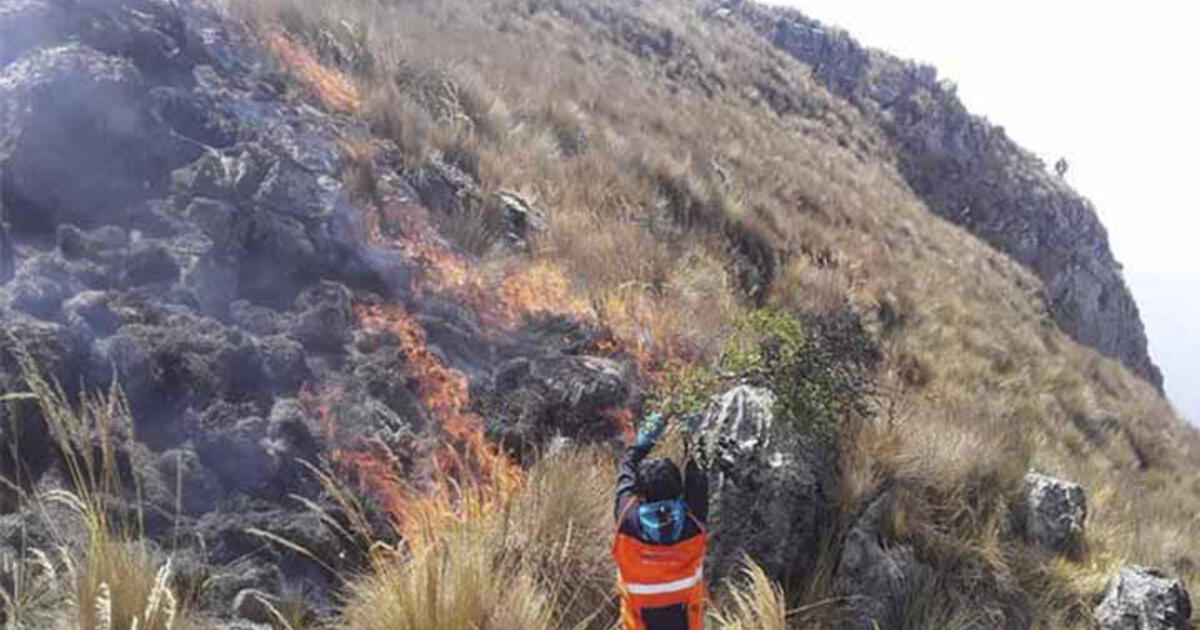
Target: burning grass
(664,228)
(331,88)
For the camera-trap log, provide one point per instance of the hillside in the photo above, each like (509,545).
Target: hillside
(335,314)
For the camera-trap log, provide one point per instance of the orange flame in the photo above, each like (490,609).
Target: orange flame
(332,88)
(466,458)
(372,467)
(468,472)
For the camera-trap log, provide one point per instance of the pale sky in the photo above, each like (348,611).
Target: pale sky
(1112,87)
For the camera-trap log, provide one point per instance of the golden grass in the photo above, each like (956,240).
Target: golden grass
(498,557)
(755,603)
(117,581)
(455,582)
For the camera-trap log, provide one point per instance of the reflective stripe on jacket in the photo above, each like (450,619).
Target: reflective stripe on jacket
(661,586)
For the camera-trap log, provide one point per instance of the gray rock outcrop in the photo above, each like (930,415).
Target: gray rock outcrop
(767,497)
(971,173)
(876,578)
(1057,512)
(1144,599)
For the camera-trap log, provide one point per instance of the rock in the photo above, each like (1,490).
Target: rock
(1057,511)
(1144,599)
(210,278)
(582,383)
(91,309)
(325,317)
(220,221)
(969,172)
(149,262)
(531,400)
(253,605)
(522,220)
(293,432)
(876,578)
(103,245)
(201,489)
(229,536)
(284,361)
(445,187)
(767,497)
(82,143)
(41,284)
(58,352)
(229,580)
(180,362)
(212,177)
(230,442)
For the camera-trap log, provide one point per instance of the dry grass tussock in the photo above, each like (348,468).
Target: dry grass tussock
(115,580)
(490,557)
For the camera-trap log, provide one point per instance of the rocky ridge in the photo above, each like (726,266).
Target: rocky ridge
(970,172)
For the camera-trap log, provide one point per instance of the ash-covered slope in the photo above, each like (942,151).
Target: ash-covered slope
(969,172)
(174,218)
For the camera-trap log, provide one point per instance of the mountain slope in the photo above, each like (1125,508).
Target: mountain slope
(384,282)
(689,168)
(971,173)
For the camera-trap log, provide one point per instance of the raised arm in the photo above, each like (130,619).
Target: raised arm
(650,429)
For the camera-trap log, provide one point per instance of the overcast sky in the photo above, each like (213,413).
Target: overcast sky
(1112,87)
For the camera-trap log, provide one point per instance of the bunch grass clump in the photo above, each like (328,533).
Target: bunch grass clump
(114,580)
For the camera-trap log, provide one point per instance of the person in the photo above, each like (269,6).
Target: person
(661,538)
(1061,166)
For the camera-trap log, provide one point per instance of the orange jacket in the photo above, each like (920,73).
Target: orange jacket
(661,585)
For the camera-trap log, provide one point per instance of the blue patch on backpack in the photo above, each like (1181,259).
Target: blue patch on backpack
(662,521)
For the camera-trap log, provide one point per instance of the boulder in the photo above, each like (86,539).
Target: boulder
(531,400)
(522,221)
(1056,514)
(82,144)
(325,319)
(258,319)
(254,605)
(149,262)
(1144,599)
(200,488)
(876,577)
(182,361)
(41,283)
(232,446)
(28,24)
(767,495)
(93,310)
(59,352)
(284,361)
(104,245)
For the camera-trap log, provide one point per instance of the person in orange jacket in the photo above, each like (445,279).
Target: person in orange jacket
(661,537)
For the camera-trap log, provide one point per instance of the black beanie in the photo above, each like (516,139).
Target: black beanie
(659,479)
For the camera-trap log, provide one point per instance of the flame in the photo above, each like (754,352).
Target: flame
(331,87)
(465,459)
(466,475)
(372,466)
(541,288)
